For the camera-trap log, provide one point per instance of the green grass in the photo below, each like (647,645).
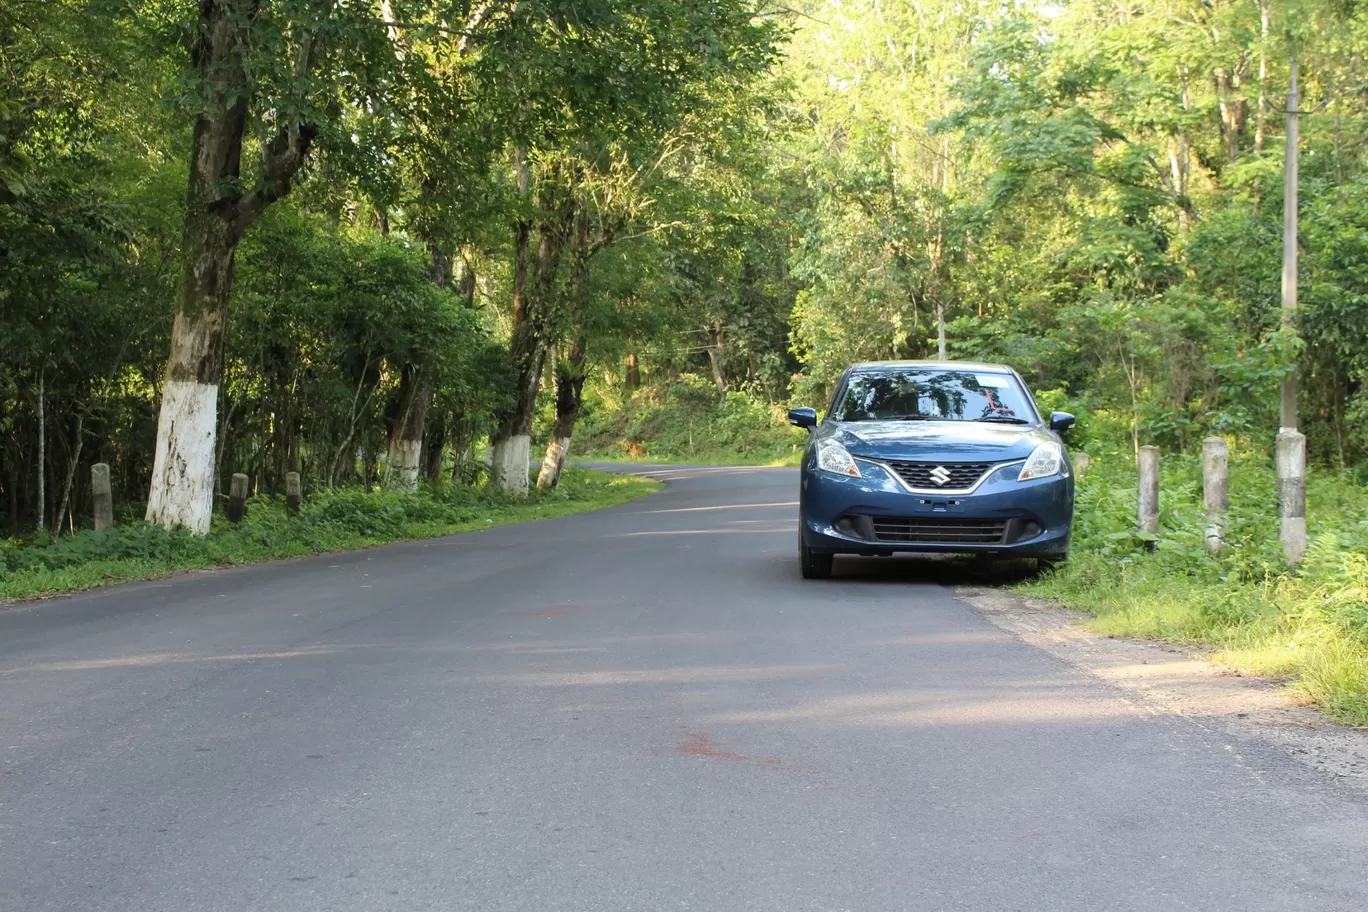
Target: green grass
(331,521)
(1307,626)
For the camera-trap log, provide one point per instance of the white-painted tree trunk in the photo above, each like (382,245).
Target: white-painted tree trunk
(182,494)
(556,452)
(509,461)
(402,465)
(217,212)
(42,451)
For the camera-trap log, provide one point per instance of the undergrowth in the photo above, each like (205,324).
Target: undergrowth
(1308,625)
(686,422)
(329,521)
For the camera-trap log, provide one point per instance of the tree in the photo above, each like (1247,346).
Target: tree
(275,79)
(620,75)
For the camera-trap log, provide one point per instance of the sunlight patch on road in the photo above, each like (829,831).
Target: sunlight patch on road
(151,660)
(976,637)
(914,708)
(692,675)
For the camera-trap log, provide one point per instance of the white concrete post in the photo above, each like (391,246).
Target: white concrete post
(103,496)
(1215,490)
(237,498)
(292,492)
(1291,464)
(1149,489)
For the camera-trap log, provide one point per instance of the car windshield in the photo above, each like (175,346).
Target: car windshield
(927,394)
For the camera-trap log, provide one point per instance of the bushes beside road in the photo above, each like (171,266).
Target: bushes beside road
(684,421)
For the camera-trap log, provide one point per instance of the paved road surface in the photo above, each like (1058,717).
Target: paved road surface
(640,709)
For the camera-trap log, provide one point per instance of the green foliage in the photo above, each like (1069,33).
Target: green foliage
(684,422)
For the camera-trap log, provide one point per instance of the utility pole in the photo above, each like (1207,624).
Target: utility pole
(1289,420)
(1291,443)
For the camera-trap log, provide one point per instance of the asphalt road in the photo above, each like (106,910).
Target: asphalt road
(638,709)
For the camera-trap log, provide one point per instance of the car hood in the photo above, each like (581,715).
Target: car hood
(938,441)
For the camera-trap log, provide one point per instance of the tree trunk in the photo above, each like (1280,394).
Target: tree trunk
(406,429)
(510,448)
(12,480)
(715,360)
(1229,117)
(434,445)
(569,398)
(570,370)
(440,270)
(182,494)
(216,215)
(71,474)
(1260,125)
(940,329)
(533,323)
(462,442)
(633,373)
(42,450)
(468,284)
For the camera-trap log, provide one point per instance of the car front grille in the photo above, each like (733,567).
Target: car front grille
(956,475)
(940,530)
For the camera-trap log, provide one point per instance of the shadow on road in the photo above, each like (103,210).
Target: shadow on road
(945,571)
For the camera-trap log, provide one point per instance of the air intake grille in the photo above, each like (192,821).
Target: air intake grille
(957,475)
(939,530)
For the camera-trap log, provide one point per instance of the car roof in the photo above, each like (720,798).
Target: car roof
(953,365)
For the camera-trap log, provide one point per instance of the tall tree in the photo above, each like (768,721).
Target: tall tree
(273,79)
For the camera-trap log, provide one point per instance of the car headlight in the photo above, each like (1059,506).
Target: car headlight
(836,459)
(1047,460)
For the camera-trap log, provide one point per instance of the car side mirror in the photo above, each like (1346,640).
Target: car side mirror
(1061,421)
(803,417)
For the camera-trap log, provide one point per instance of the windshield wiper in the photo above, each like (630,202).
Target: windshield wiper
(1004,419)
(909,418)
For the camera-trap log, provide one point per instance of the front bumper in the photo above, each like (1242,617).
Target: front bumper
(878,515)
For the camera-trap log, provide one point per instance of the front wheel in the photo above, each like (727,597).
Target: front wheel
(814,564)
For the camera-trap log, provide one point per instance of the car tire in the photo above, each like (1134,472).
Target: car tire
(814,564)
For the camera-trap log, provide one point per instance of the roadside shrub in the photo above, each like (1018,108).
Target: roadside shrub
(685,421)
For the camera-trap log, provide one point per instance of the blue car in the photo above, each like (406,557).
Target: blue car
(933,456)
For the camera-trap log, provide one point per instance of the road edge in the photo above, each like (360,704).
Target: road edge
(1180,681)
(546,512)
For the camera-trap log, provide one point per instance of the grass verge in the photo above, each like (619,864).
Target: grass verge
(1307,626)
(330,521)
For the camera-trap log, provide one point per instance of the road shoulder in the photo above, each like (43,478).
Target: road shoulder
(1180,681)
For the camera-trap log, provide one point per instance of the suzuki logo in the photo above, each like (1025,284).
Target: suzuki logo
(940,475)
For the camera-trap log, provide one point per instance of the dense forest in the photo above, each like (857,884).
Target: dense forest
(385,242)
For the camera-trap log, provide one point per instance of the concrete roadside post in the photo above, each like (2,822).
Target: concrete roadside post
(103,496)
(1291,464)
(1149,490)
(237,498)
(1215,490)
(292,492)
